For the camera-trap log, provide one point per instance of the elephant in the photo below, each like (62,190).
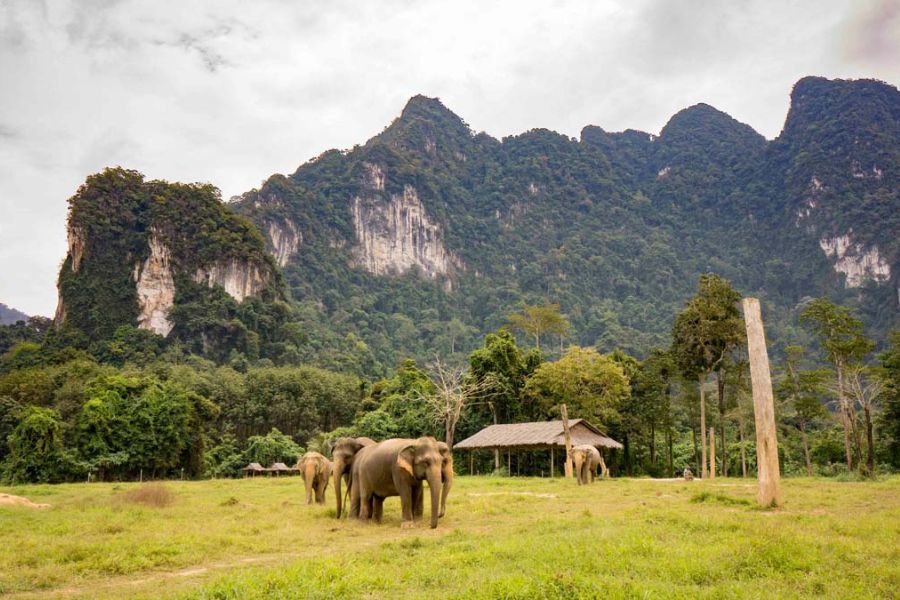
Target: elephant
(343,454)
(446,482)
(398,467)
(315,470)
(587,461)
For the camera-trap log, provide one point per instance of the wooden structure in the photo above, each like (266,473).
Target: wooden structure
(548,435)
(768,471)
(253,469)
(280,469)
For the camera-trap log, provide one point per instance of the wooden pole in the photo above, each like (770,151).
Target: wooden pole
(471,462)
(552,469)
(768,472)
(565,421)
(712,452)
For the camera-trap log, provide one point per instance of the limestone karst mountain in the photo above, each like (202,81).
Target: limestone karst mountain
(429,232)
(425,237)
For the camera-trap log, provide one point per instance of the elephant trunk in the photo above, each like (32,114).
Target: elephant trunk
(309,476)
(337,474)
(447,482)
(434,485)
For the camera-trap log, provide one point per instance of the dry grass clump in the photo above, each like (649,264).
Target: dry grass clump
(150,494)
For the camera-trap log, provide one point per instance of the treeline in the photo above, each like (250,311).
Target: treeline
(66,414)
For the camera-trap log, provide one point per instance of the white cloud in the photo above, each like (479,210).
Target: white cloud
(230,92)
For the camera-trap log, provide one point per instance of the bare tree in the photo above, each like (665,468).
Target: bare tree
(865,391)
(453,393)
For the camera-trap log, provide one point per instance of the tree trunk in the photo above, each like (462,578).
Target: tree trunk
(653,443)
(704,473)
(670,458)
(712,452)
(805,441)
(844,416)
(743,448)
(870,455)
(696,450)
(720,383)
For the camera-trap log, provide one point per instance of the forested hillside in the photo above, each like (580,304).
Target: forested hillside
(429,235)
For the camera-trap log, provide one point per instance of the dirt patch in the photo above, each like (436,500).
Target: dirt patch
(10,500)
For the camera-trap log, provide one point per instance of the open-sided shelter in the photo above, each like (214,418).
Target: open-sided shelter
(547,435)
(253,469)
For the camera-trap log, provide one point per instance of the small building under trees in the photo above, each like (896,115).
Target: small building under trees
(548,435)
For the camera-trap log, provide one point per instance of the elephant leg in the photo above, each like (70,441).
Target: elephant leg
(406,506)
(320,490)
(364,502)
(377,508)
(418,502)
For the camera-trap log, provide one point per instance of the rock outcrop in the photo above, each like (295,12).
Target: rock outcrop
(240,279)
(282,240)
(854,261)
(155,287)
(396,236)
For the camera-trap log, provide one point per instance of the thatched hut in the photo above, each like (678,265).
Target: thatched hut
(548,435)
(280,468)
(253,469)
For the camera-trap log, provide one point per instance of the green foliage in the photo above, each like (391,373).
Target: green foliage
(271,448)
(36,452)
(592,385)
(889,422)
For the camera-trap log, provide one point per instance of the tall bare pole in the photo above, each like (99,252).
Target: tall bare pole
(712,452)
(565,421)
(768,472)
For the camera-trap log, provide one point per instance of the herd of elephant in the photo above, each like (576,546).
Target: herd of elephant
(374,471)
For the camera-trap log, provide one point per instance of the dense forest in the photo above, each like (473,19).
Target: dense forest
(434,281)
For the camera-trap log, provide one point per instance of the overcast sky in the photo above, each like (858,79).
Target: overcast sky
(229,92)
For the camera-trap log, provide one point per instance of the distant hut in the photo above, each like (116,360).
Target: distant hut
(547,435)
(253,469)
(279,468)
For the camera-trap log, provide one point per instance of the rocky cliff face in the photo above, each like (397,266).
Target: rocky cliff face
(155,288)
(282,240)
(854,261)
(394,237)
(240,279)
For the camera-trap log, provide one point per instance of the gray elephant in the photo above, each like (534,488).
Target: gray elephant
(446,482)
(587,461)
(398,467)
(343,454)
(316,471)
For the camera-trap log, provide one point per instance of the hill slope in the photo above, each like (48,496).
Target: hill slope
(427,235)
(9,315)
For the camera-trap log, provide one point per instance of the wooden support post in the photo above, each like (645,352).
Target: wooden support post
(471,462)
(552,470)
(712,452)
(768,471)
(509,463)
(565,421)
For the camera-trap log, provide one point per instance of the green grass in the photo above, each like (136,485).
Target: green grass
(501,538)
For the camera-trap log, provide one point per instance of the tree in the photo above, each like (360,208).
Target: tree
(802,389)
(504,367)
(708,328)
(36,451)
(841,336)
(866,389)
(890,417)
(592,385)
(537,320)
(453,391)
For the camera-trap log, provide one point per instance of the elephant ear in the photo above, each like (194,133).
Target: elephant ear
(405,459)
(445,451)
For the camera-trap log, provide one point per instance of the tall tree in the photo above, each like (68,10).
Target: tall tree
(802,390)
(890,417)
(536,320)
(708,328)
(841,336)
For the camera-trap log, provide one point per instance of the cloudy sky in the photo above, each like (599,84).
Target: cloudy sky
(230,91)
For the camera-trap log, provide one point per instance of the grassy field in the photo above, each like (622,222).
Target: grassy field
(501,538)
